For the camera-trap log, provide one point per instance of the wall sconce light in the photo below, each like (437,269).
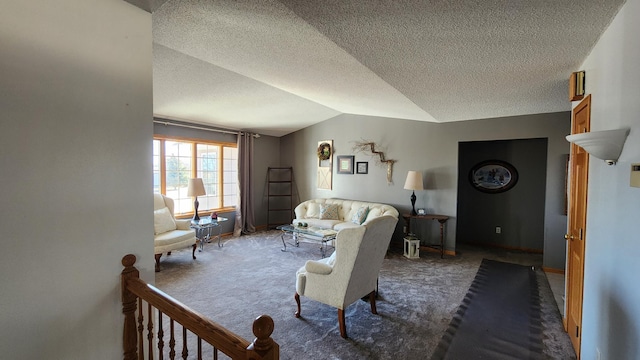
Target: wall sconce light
(606,145)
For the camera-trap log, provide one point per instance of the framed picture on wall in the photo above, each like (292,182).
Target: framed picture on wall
(345,164)
(362,167)
(493,176)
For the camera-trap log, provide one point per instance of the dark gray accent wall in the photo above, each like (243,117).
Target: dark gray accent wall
(519,211)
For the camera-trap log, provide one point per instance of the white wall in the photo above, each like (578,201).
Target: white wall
(611,313)
(75,171)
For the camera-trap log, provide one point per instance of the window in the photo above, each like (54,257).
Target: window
(175,161)
(230,176)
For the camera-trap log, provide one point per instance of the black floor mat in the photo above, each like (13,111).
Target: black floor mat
(499,317)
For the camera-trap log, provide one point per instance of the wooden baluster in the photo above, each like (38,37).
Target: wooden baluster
(150,330)
(172,342)
(185,352)
(140,330)
(160,337)
(199,348)
(263,344)
(129,308)
(215,353)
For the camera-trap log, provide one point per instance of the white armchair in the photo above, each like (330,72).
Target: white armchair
(351,272)
(170,233)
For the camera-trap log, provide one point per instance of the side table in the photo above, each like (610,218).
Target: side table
(442,219)
(204,229)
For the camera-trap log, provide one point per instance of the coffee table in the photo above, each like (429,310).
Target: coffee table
(323,236)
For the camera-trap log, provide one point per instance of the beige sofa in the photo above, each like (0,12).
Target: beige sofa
(349,213)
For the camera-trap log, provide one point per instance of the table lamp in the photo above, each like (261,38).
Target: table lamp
(413,182)
(196,188)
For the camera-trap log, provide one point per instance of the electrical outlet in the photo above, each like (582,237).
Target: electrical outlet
(498,230)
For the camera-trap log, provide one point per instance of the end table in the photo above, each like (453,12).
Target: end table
(204,229)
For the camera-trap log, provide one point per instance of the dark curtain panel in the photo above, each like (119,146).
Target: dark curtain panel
(245,222)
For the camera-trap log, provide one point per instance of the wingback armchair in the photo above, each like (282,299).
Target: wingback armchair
(170,233)
(351,272)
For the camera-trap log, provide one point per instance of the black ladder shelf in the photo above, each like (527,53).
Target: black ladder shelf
(279,196)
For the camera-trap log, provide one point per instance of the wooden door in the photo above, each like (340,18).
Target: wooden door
(577,221)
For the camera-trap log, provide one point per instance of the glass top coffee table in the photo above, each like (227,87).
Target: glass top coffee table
(205,229)
(323,236)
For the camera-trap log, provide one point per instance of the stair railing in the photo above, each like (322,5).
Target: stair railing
(196,328)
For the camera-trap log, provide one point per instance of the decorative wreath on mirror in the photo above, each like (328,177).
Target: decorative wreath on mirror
(324,151)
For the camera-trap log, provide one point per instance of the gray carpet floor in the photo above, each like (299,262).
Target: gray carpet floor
(251,276)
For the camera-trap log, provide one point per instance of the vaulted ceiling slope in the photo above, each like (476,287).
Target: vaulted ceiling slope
(275,67)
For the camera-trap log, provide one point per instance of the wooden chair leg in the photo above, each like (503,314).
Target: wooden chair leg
(158,262)
(194,251)
(341,322)
(372,301)
(297,297)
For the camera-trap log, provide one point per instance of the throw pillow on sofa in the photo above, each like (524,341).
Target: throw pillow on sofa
(360,216)
(313,211)
(163,221)
(329,212)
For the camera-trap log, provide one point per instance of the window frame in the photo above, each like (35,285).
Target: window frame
(194,170)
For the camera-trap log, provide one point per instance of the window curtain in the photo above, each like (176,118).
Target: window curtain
(245,222)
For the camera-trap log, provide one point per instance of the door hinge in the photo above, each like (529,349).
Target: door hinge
(581,234)
(577,331)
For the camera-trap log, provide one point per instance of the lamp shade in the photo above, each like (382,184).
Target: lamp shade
(605,145)
(414,181)
(196,187)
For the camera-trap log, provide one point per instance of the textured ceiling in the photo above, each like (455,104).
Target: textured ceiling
(278,66)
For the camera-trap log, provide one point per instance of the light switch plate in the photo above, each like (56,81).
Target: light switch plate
(635,175)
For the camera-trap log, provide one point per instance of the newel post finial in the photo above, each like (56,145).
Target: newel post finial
(129,343)
(263,344)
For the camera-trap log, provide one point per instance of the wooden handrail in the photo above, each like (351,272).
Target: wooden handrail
(234,346)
